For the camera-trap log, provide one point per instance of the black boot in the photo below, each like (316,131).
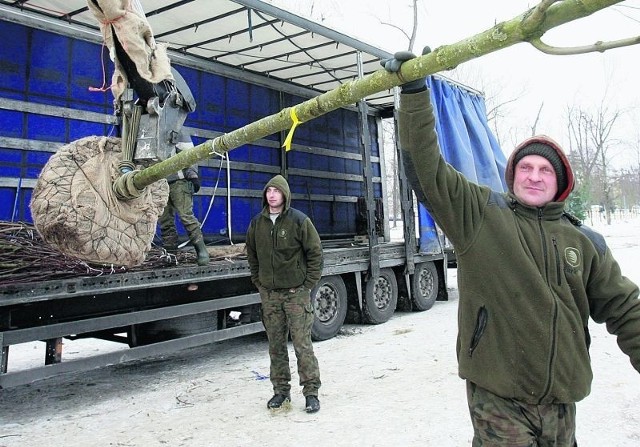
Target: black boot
(312,404)
(278,400)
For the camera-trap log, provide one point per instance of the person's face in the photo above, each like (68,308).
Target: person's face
(275,199)
(534,181)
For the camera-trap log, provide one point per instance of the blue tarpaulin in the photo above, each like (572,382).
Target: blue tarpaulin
(466,142)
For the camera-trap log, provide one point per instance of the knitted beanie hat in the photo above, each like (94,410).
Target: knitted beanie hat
(550,154)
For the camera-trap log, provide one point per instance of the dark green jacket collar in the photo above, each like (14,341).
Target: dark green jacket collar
(551,211)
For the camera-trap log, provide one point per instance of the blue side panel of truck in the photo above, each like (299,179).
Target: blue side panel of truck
(42,77)
(56,72)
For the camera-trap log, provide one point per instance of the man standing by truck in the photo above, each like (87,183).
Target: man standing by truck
(182,186)
(285,257)
(530,277)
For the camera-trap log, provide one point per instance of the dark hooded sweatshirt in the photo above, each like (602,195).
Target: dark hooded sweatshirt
(529,278)
(287,254)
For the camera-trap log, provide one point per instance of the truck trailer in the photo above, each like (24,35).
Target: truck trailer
(243,60)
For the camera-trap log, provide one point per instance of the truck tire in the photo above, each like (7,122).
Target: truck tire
(329,299)
(424,286)
(381,298)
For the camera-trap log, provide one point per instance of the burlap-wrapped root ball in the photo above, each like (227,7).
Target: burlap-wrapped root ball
(75,210)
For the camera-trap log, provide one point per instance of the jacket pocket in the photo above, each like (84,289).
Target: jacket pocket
(481,324)
(308,308)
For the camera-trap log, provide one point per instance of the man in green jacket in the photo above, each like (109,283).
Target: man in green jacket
(285,257)
(182,186)
(529,275)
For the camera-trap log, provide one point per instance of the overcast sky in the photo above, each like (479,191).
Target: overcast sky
(516,72)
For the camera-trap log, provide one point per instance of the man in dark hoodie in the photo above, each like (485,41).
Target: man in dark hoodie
(285,257)
(529,275)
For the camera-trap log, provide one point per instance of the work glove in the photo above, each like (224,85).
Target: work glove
(393,66)
(196,184)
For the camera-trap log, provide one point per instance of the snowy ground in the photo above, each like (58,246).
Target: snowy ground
(390,385)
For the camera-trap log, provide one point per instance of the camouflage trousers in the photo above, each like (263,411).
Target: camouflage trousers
(506,422)
(181,202)
(287,312)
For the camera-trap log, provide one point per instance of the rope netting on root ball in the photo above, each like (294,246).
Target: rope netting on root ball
(75,210)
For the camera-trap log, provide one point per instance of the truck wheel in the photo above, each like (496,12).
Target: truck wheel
(381,298)
(329,299)
(424,286)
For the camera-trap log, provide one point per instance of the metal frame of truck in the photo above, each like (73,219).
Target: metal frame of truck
(163,310)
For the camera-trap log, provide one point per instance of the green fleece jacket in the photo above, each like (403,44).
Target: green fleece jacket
(528,278)
(287,254)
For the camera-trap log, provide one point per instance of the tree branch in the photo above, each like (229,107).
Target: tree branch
(538,14)
(549,14)
(599,46)
(399,29)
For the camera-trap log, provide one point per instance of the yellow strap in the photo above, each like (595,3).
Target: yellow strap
(296,121)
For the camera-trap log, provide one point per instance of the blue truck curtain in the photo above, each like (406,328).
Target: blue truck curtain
(466,142)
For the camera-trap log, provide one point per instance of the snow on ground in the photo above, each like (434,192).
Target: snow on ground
(395,384)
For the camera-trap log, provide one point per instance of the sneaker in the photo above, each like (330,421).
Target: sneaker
(277,400)
(312,405)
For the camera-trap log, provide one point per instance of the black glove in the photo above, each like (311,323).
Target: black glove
(393,66)
(196,184)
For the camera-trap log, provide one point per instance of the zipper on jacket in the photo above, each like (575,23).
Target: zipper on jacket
(558,263)
(274,234)
(554,320)
(552,357)
(481,324)
(274,246)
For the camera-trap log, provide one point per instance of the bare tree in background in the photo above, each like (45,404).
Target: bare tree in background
(635,169)
(536,120)
(628,180)
(391,165)
(590,142)
(389,135)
